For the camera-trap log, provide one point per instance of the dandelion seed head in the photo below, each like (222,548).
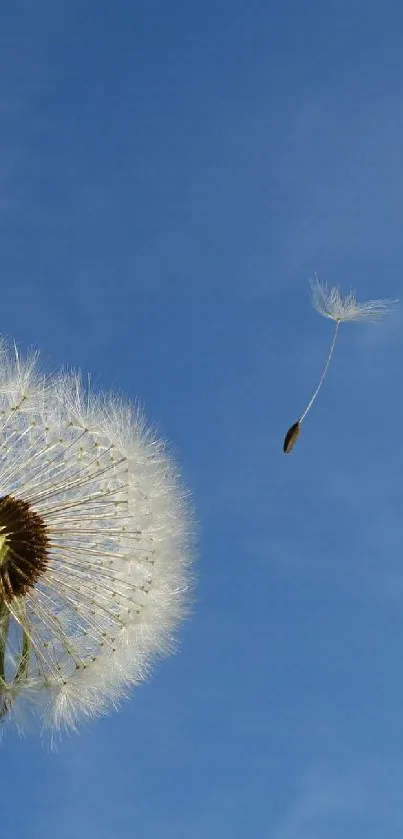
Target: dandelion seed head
(330,303)
(95,547)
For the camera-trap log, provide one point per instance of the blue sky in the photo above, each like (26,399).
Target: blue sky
(171,174)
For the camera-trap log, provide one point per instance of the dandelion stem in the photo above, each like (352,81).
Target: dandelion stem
(8,698)
(4,624)
(4,621)
(322,378)
(22,669)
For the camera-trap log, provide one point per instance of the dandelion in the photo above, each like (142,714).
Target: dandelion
(94,547)
(331,304)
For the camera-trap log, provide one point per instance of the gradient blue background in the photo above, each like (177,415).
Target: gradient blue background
(171,174)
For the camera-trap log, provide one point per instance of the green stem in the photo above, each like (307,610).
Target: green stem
(7,695)
(22,669)
(4,625)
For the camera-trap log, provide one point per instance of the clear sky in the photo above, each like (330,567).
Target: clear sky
(171,175)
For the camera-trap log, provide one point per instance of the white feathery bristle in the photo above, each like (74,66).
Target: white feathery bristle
(117,575)
(330,303)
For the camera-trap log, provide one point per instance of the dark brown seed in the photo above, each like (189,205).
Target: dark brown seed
(27,547)
(291,437)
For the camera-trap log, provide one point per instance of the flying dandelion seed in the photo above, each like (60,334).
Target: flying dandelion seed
(331,304)
(94,548)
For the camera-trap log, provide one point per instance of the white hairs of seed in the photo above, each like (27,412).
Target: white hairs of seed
(119,576)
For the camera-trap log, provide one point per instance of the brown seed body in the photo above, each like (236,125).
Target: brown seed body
(291,437)
(26,541)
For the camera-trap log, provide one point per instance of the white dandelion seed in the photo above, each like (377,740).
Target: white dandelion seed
(94,547)
(331,304)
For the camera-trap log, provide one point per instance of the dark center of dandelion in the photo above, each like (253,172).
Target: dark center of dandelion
(23,547)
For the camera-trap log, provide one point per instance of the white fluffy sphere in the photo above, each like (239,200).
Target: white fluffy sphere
(95,547)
